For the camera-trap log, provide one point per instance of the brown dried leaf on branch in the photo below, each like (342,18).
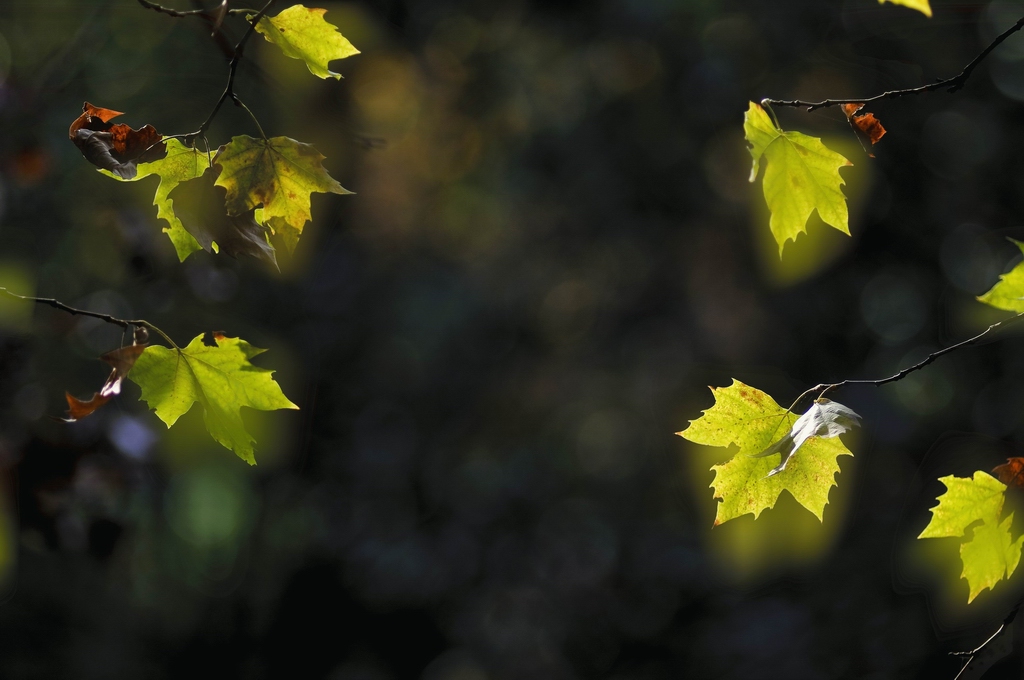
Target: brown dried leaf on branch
(122,360)
(1011,473)
(114,146)
(865,123)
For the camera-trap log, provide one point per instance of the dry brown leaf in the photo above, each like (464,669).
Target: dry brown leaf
(114,146)
(121,361)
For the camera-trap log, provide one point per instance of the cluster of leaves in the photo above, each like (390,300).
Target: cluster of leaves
(990,554)
(233,201)
(802,176)
(252,188)
(749,419)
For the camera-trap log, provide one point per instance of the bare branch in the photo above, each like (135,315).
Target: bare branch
(229,88)
(951,84)
(190,13)
(973,654)
(123,323)
(822,388)
(213,17)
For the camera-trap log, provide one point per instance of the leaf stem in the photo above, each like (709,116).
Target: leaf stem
(951,84)
(259,127)
(823,388)
(123,323)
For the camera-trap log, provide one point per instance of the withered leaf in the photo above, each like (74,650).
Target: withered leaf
(92,118)
(865,123)
(745,417)
(114,146)
(200,207)
(1011,473)
(121,360)
(825,418)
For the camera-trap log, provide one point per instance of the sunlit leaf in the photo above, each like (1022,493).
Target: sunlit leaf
(921,6)
(964,502)
(1008,293)
(802,175)
(751,420)
(181,164)
(278,174)
(990,555)
(303,33)
(219,377)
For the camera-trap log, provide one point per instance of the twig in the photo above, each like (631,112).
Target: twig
(823,388)
(123,323)
(189,13)
(236,58)
(229,88)
(980,648)
(953,84)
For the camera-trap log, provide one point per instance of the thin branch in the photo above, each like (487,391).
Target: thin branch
(823,388)
(980,648)
(951,84)
(189,13)
(229,88)
(123,323)
(236,57)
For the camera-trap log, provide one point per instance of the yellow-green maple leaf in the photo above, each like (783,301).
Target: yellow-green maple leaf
(921,6)
(303,33)
(802,175)
(181,164)
(1008,293)
(965,502)
(990,556)
(751,420)
(219,377)
(278,174)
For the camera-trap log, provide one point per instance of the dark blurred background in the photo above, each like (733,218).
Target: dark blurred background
(552,251)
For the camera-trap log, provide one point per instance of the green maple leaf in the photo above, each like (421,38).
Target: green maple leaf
(751,420)
(219,377)
(1008,293)
(990,555)
(302,33)
(964,502)
(278,174)
(802,176)
(921,6)
(181,164)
